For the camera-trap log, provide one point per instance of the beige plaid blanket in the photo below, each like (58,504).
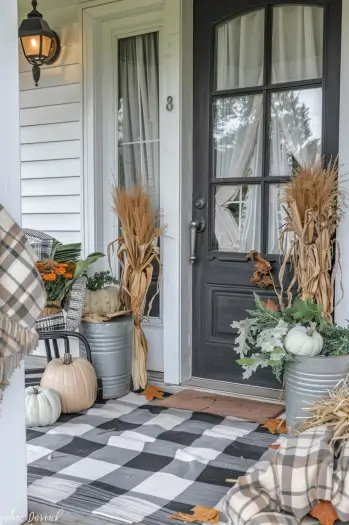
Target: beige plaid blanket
(282,488)
(22,297)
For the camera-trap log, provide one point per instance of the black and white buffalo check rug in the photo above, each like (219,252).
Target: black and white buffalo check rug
(131,461)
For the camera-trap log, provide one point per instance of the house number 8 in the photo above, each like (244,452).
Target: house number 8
(169,105)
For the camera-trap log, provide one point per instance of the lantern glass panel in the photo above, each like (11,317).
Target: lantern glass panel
(46,45)
(31,45)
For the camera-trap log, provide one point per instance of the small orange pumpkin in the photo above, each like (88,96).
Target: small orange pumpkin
(75,381)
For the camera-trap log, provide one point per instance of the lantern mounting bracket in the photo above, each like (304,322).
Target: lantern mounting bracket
(54,51)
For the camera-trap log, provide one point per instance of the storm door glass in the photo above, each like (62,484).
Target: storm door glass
(138,121)
(138,116)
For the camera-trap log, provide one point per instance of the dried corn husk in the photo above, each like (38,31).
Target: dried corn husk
(51,308)
(333,412)
(102,318)
(137,252)
(313,209)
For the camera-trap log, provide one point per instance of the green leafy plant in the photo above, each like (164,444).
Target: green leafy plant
(307,312)
(100,280)
(336,339)
(260,340)
(66,252)
(81,266)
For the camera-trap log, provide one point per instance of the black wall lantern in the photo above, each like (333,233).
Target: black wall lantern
(40,44)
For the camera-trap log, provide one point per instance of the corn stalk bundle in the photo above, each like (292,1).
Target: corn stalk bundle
(137,251)
(312,207)
(333,412)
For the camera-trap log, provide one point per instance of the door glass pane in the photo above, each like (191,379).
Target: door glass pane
(138,115)
(237,136)
(237,218)
(297,43)
(240,52)
(295,130)
(138,122)
(276,217)
(136,160)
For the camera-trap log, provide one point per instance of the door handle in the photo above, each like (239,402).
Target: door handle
(196,227)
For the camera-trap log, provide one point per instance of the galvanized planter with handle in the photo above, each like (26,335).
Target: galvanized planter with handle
(308,379)
(111,349)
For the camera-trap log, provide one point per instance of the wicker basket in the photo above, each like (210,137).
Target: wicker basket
(51,308)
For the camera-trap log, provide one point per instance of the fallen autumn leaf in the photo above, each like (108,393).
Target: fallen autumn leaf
(270,305)
(200,514)
(153,392)
(276,426)
(325,513)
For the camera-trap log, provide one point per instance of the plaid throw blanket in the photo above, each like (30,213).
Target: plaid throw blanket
(22,297)
(284,488)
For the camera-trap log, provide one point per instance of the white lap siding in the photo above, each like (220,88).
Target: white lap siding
(51,133)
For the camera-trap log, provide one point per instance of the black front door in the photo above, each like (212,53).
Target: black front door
(266,90)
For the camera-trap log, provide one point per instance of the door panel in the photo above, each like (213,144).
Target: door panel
(258,113)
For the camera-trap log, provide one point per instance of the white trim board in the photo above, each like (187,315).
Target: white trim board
(172,18)
(342,281)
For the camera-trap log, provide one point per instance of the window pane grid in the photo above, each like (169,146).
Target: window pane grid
(260,90)
(138,142)
(291,133)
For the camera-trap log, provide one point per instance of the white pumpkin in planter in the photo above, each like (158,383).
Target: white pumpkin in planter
(42,406)
(303,341)
(74,379)
(104,301)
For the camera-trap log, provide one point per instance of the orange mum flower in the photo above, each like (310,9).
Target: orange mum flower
(63,265)
(50,277)
(68,276)
(59,270)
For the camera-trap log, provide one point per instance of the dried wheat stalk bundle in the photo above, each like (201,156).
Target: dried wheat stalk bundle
(313,209)
(137,251)
(333,412)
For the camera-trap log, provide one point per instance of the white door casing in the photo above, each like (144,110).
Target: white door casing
(170,336)
(13,479)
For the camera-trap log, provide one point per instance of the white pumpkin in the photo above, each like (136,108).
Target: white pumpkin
(42,406)
(104,301)
(303,341)
(75,381)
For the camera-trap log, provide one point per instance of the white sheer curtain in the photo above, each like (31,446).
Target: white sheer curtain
(297,55)
(238,153)
(241,42)
(138,74)
(291,145)
(243,160)
(297,43)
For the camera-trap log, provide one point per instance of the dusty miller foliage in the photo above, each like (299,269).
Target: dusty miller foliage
(260,340)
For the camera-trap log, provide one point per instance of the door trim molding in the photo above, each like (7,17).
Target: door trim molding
(176,130)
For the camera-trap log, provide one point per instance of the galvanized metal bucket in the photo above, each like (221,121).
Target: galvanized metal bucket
(111,349)
(308,379)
